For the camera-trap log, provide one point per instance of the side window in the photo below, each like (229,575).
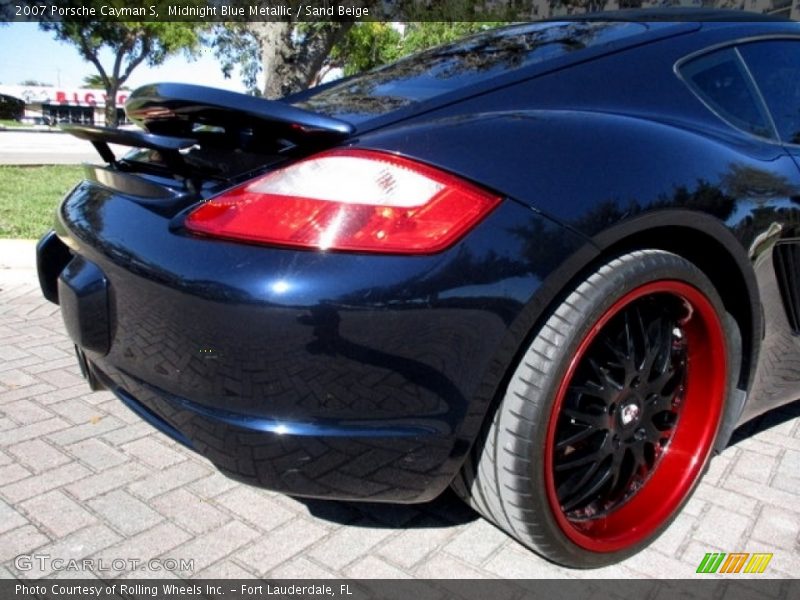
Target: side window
(720,79)
(775,65)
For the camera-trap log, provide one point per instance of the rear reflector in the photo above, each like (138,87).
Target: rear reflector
(354,200)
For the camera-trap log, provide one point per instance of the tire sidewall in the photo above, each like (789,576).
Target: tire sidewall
(522,431)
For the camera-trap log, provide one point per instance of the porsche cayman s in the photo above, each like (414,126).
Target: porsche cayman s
(552,266)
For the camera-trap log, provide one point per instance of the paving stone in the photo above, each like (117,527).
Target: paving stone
(226,569)
(154,452)
(22,540)
(96,454)
(210,547)
(254,506)
(169,479)
(38,456)
(95,427)
(125,434)
(347,544)
(190,511)
(677,536)
(80,544)
(285,542)
(75,411)
(755,467)
(107,480)
(442,566)
(34,430)
(26,411)
(789,464)
(413,545)
(721,527)
(11,473)
(16,378)
(476,542)
(300,567)
(28,391)
(515,562)
(213,485)
(126,514)
(372,567)
(61,378)
(150,544)
(778,527)
(39,484)
(58,513)
(10,518)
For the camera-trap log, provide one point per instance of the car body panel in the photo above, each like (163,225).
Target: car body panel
(347,375)
(401,350)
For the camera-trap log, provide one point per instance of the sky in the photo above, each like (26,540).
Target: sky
(26,52)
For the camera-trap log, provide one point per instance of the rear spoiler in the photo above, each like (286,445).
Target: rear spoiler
(174,109)
(169,147)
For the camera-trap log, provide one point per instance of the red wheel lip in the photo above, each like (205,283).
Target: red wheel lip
(688,452)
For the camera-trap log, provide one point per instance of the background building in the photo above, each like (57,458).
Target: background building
(64,105)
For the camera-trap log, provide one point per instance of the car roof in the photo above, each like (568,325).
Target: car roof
(677,14)
(713,30)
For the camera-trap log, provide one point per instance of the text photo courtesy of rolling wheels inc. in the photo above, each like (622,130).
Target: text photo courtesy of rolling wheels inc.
(308,308)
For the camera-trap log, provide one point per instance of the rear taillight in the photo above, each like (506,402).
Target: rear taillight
(356,200)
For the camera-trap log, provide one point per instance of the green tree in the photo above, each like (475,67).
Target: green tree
(34,83)
(293,56)
(95,82)
(367,45)
(289,54)
(131,44)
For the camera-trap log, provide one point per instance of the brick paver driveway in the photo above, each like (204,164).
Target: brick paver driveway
(82,477)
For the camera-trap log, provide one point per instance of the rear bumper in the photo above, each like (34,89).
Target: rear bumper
(319,374)
(356,460)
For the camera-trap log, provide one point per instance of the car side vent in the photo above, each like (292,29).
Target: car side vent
(787,270)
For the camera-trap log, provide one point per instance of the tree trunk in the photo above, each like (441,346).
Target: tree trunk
(111,107)
(290,60)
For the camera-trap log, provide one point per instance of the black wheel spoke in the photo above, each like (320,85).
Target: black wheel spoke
(589,489)
(598,420)
(575,438)
(622,409)
(575,462)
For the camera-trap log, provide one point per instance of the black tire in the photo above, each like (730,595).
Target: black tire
(632,417)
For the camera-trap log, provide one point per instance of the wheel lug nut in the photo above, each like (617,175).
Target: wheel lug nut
(640,434)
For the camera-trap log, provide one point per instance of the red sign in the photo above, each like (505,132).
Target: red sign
(86,97)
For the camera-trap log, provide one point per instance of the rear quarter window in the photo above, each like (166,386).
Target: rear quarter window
(775,66)
(721,81)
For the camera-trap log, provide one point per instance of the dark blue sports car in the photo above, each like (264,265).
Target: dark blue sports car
(552,266)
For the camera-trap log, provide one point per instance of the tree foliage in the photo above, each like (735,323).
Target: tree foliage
(367,45)
(130,43)
(290,55)
(34,83)
(294,56)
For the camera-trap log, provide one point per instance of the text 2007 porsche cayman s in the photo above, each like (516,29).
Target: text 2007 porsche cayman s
(552,266)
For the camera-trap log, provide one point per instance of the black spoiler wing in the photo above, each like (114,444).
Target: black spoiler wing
(175,109)
(101,137)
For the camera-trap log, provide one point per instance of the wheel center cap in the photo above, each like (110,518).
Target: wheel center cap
(629,414)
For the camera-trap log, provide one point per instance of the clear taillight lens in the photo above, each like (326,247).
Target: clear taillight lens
(356,200)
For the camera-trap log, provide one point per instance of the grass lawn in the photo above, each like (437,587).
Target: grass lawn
(12,123)
(29,195)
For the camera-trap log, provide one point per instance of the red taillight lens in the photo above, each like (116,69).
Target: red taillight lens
(355,200)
